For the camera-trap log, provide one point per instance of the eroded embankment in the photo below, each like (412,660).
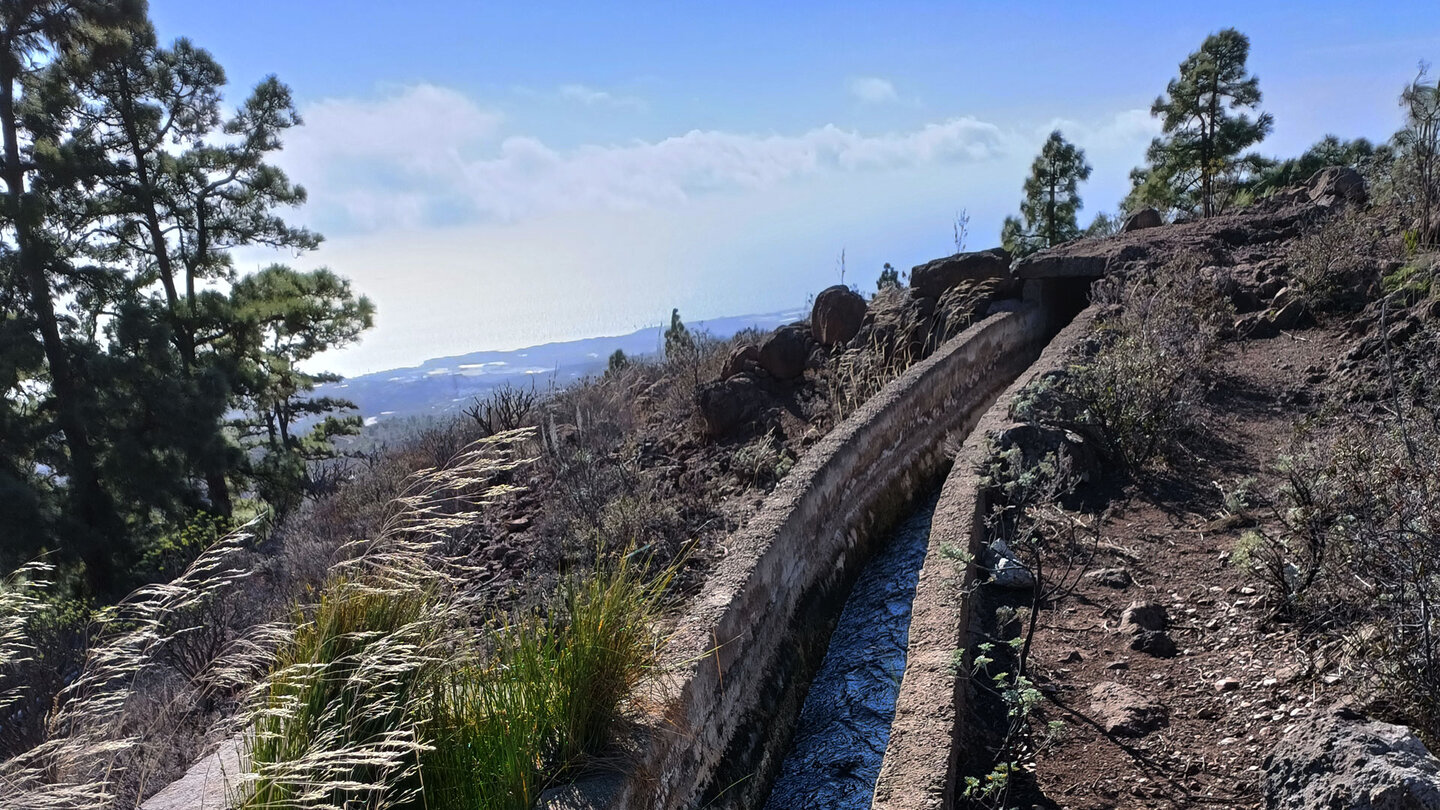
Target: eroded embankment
(926,737)
(735,676)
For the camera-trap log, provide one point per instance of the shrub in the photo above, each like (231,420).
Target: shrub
(1409,283)
(1352,549)
(507,408)
(1330,264)
(1137,385)
(761,462)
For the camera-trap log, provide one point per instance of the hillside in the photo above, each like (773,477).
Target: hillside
(444,385)
(1138,514)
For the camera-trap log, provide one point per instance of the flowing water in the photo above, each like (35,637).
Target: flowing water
(844,726)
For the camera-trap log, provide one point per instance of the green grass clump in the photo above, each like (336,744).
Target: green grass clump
(547,696)
(338,723)
(381,701)
(1411,281)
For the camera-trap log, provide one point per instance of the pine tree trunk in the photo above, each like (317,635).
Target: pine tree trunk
(215,483)
(92,504)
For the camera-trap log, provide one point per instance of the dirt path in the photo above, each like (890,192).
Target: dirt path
(1204,719)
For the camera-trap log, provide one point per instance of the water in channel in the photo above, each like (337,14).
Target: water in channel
(844,725)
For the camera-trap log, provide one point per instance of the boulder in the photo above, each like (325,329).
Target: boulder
(932,279)
(1255,326)
(727,404)
(1141,617)
(1038,441)
(1289,315)
(1154,642)
(1142,219)
(1050,264)
(837,315)
(784,353)
(1124,712)
(744,359)
(1342,761)
(1336,184)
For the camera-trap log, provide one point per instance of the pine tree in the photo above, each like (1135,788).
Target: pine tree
(285,318)
(678,341)
(1206,127)
(33,37)
(1051,199)
(889,278)
(125,339)
(1419,145)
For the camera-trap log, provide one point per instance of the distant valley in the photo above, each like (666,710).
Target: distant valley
(443,385)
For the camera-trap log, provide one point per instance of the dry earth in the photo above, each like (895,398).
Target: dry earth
(1193,729)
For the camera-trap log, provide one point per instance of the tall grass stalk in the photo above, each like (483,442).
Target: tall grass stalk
(385,697)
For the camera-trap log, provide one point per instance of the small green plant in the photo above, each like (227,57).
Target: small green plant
(1409,282)
(1022,742)
(762,462)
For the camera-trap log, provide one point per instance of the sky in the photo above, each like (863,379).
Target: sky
(500,175)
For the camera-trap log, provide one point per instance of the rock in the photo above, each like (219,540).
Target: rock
(932,279)
(1255,327)
(1142,219)
(1336,184)
(1111,577)
(784,353)
(1142,616)
(837,315)
(1283,297)
(726,404)
(1340,761)
(517,525)
(1038,441)
(1289,316)
(1124,712)
(1005,570)
(1072,657)
(1050,264)
(743,360)
(1154,642)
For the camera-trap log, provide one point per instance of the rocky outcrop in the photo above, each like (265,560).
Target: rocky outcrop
(933,279)
(1142,219)
(1337,184)
(1342,761)
(1225,240)
(1035,442)
(743,360)
(784,353)
(837,315)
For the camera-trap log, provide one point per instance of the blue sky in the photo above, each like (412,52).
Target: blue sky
(497,175)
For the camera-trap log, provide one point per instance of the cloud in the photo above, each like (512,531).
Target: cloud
(426,156)
(872,90)
(1124,127)
(591,97)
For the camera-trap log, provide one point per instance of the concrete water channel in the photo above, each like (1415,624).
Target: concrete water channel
(844,725)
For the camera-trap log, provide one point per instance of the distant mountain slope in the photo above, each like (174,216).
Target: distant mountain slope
(445,384)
